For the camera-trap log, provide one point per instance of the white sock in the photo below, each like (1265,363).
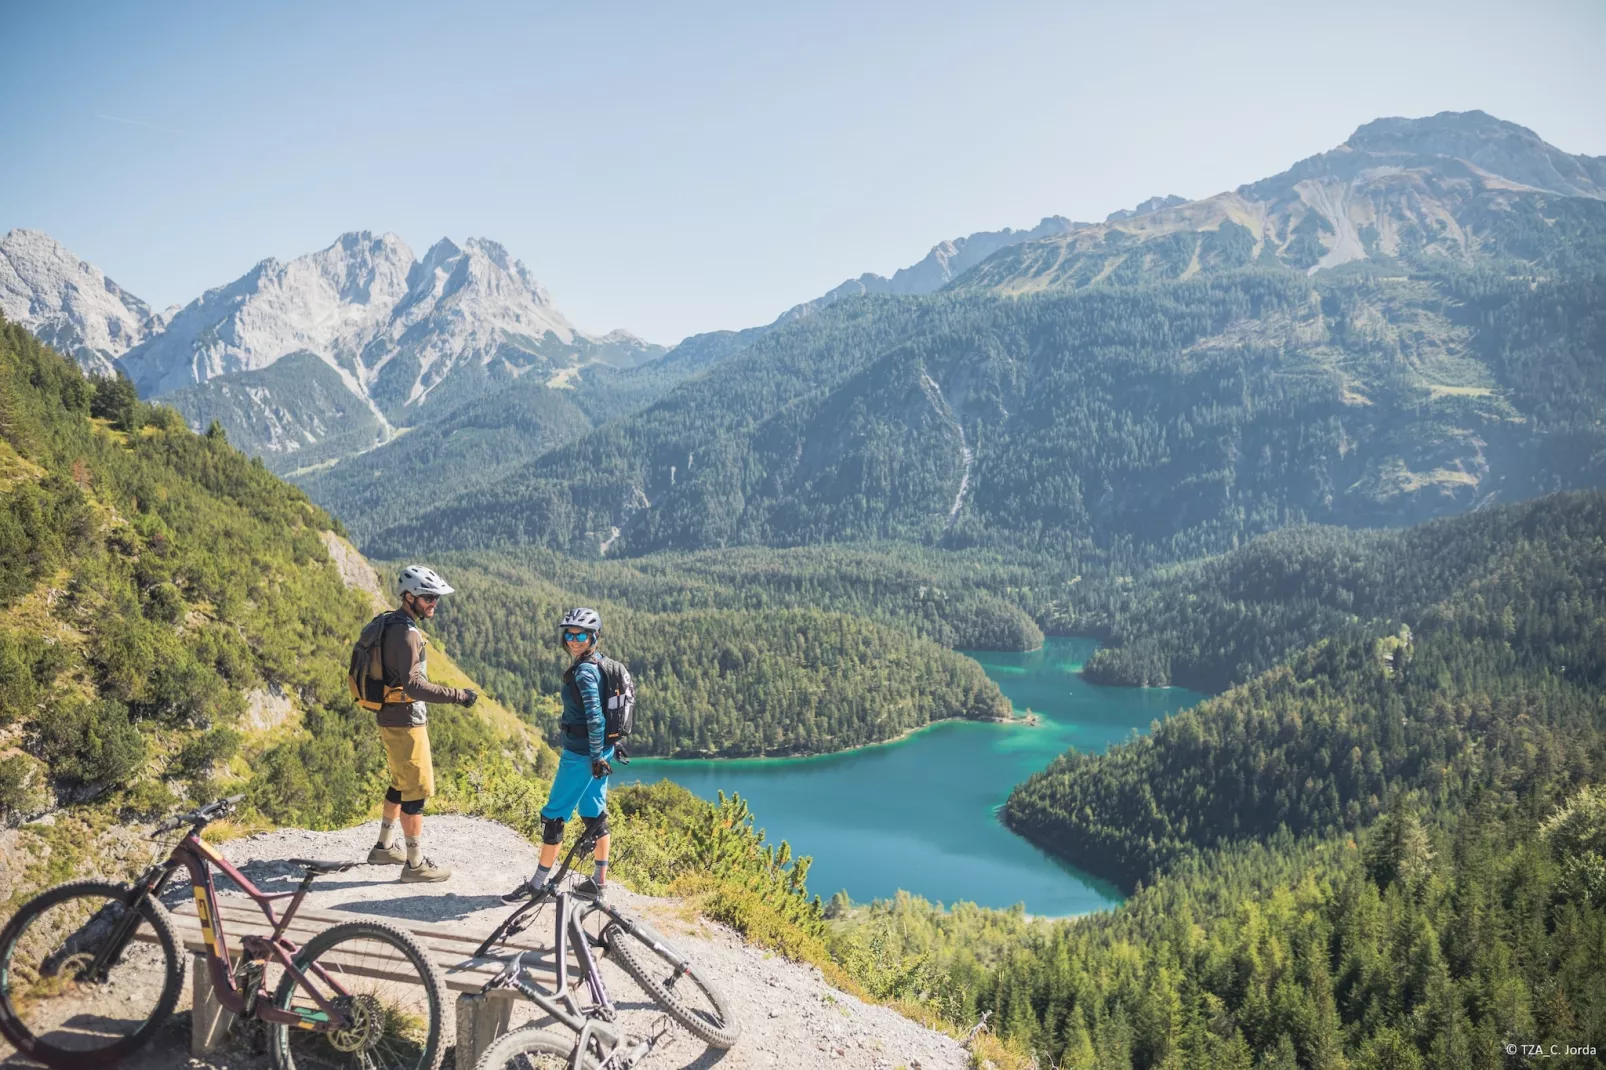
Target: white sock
(415,851)
(387,834)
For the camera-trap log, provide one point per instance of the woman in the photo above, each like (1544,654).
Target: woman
(585,762)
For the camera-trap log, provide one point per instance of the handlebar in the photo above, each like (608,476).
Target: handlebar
(208,813)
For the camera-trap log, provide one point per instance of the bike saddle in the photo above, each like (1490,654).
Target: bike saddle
(318,868)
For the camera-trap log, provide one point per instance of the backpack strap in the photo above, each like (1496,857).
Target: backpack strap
(384,670)
(393,692)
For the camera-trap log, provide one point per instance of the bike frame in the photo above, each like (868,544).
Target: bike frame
(591,1022)
(198,856)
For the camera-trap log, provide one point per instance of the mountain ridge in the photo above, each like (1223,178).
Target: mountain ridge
(69,303)
(1460,186)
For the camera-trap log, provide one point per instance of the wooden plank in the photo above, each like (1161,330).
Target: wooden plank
(451,950)
(244,916)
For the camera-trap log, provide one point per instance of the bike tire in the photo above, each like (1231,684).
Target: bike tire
(418,1048)
(702,1009)
(12,1023)
(530,1047)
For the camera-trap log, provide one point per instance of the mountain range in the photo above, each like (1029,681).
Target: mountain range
(1164,383)
(321,355)
(70,304)
(1458,187)
(1348,341)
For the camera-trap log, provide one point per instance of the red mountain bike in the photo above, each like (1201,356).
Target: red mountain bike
(90,970)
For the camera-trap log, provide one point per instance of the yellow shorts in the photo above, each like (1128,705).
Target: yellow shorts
(407,752)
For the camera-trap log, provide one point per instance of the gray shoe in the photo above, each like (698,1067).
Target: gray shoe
(587,889)
(394,855)
(426,872)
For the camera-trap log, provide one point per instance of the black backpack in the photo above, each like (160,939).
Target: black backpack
(366,673)
(618,697)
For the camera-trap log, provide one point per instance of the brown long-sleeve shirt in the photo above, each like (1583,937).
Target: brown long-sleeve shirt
(404,652)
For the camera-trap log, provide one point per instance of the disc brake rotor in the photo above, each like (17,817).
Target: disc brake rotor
(366,1018)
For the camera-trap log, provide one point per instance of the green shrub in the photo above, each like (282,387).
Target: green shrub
(24,786)
(207,749)
(90,742)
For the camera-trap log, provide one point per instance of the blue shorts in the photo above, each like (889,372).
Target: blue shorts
(575,786)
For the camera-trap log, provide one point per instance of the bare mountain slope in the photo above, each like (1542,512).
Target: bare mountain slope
(1458,187)
(69,303)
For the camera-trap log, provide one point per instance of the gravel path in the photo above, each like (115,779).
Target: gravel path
(790,1017)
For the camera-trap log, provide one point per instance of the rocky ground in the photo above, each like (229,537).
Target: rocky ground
(790,1017)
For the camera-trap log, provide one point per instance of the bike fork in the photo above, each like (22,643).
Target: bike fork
(112,950)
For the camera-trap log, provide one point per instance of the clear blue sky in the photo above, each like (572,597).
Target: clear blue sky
(680,167)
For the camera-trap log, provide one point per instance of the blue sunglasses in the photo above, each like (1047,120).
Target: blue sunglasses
(576,637)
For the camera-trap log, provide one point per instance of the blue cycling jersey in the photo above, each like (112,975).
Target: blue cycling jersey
(584,711)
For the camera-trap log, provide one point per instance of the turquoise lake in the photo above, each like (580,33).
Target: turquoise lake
(921,814)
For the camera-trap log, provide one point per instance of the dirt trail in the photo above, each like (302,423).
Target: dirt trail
(790,1017)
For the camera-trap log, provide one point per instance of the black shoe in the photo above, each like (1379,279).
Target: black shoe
(586,889)
(524,891)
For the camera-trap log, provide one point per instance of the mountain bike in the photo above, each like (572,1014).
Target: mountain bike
(89,970)
(674,983)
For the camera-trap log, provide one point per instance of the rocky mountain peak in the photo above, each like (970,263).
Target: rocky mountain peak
(1153,204)
(946,261)
(69,303)
(1457,187)
(1495,146)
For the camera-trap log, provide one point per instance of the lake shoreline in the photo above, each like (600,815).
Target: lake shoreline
(1031,721)
(920,812)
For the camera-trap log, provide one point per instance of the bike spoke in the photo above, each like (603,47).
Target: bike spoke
(50,988)
(388,1019)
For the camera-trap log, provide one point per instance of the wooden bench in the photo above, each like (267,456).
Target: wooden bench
(480,1020)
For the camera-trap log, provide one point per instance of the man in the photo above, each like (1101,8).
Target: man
(586,761)
(404,728)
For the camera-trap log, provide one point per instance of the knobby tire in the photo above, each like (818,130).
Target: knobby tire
(152,913)
(716,1025)
(532,1048)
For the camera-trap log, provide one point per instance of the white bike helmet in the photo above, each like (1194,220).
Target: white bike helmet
(582,618)
(416,580)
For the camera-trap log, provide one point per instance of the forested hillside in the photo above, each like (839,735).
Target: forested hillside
(471,444)
(1500,682)
(1430,943)
(173,623)
(768,669)
(1390,852)
(962,601)
(1154,422)
(1218,621)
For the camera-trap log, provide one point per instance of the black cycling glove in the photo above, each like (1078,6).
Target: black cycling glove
(600,768)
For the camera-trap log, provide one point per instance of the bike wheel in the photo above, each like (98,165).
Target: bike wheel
(379,975)
(531,1048)
(55,1014)
(682,991)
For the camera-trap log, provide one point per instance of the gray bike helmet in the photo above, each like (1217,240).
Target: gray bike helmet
(582,618)
(416,580)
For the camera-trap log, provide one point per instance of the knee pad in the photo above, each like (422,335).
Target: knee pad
(597,826)
(393,796)
(551,830)
(414,807)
